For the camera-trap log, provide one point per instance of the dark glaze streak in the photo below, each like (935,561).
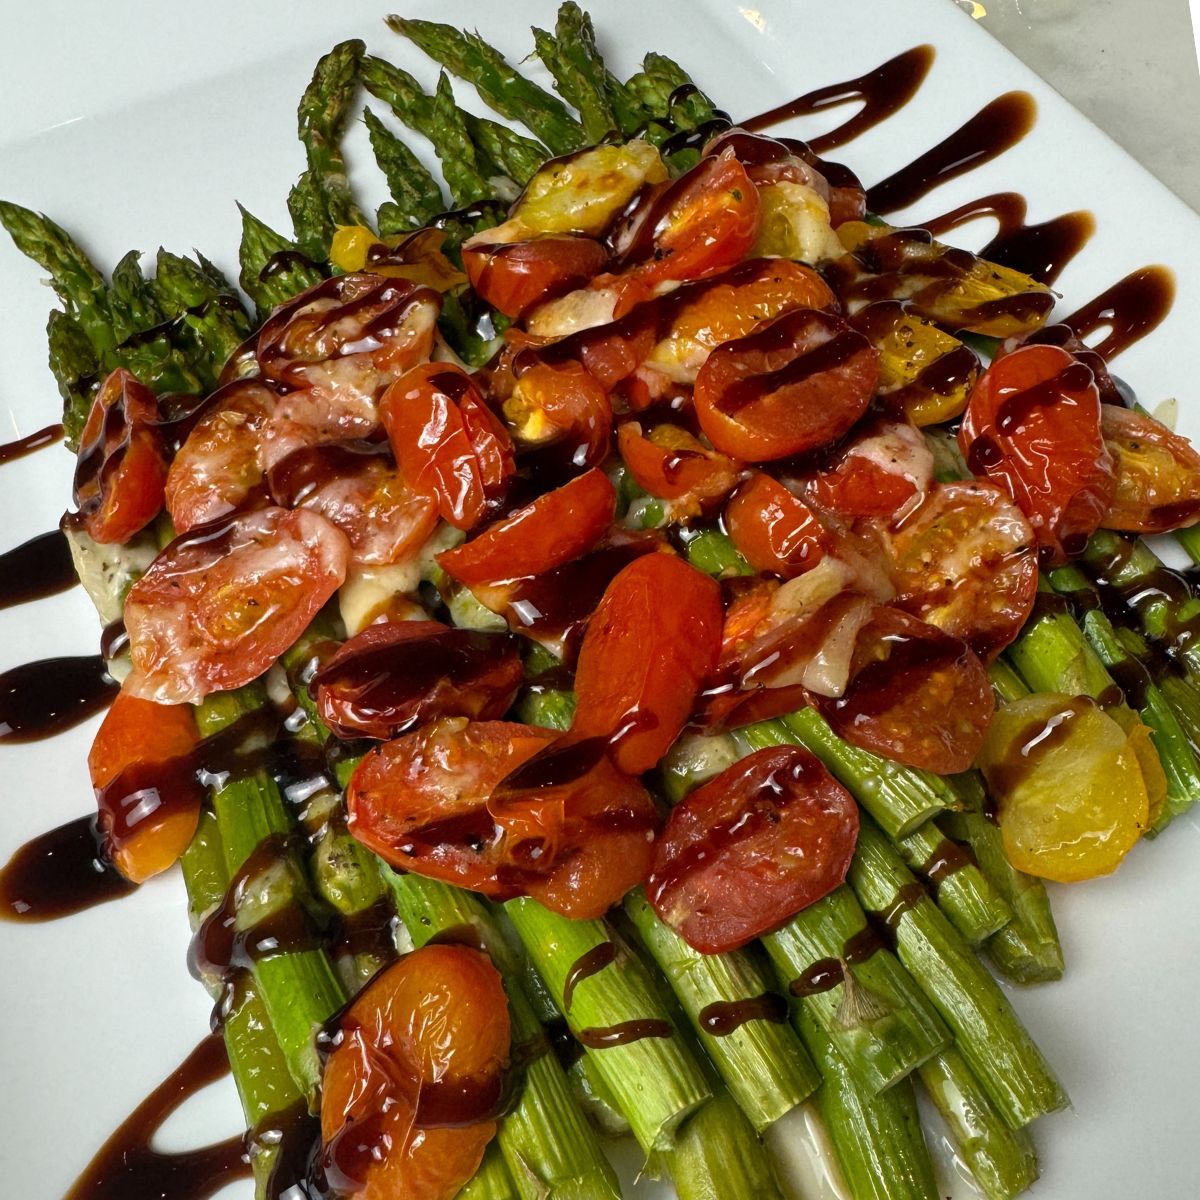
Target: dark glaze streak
(1033,742)
(822,976)
(723,1017)
(35,569)
(58,874)
(882,93)
(593,960)
(908,897)
(1129,310)
(39,699)
(948,857)
(995,128)
(128,1168)
(624,1033)
(10,451)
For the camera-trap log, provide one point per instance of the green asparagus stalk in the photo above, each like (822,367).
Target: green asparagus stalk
(714,553)
(654,84)
(570,56)
(761,1061)
(132,304)
(416,195)
(501,87)
(1002,1160)
(877,1138)
(988,1033)
(75,368)
(492,1181)
(273,270)
(514,155)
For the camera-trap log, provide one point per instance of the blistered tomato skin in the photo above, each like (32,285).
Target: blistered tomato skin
(221,603)
(412,1089)
(798,384)
(775,530)
(121,470)
(390,677)
(1157,474)
(1033,426)
(672,465)
(515,276)
(751,848)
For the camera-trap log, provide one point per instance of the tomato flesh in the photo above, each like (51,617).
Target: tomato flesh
(560,417)
(673,465)
(749,849)
(390,677)
(775,530)
(515,276)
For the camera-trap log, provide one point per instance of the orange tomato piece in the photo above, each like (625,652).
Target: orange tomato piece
(515,276)
(774,529)
(560,416)
(1157,474)
(673,465)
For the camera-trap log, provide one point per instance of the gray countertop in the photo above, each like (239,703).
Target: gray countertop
(1129,65)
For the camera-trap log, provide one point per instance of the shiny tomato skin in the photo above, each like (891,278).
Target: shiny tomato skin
(672,465)
(435,1023)
(560,413)
(798,384)
(447,441)
(1157,474)
(966,562)
(515,276)
(653,638)
(393,676)
(749,849)
(556,528)
(221,603)
(774,529)
(121,470)
(916,695)
(1033,426)
(135,748)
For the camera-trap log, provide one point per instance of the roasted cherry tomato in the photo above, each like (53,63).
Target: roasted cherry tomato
(219,466)
(966,562)
(799,383)
(220,604)
(447,441)
(916,695)
(883,472)
(1032,425)
(673,465)
(1071,797)
(751,848)
(121,470)
(561,413)
(1157,484)
(774,529)
(351,335)
(653,638)
(412,1089)
(359,488)
(557,527)
(390,677)
(145,783)
(705,222)
(515,276)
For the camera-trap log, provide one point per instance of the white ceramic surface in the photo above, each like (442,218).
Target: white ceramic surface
(150,122)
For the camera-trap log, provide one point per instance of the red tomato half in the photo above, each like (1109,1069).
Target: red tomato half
(412,1089)
(775,530)
(799,383)
(966,562)
(673,465)
(393,676)
(145,784)
(560,414)
(653,638)
(447,441)
(1157,474)
(916,695)
(751,848)
(556,528)
(515,276)
(220,604)
(1032,425)
(121,470)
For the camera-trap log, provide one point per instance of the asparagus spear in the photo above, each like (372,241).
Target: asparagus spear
(273,269)
(989,1034)
(492,1181)
(75,368)
(503,89)
(416,195)
(132,304)
(570,55)
(514,155)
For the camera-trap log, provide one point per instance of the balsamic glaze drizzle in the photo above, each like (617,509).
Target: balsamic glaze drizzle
(36,569)
(40,699)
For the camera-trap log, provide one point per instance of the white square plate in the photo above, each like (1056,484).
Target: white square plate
(135,124)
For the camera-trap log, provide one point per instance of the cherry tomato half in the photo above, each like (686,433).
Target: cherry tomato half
(560,413)
(221,603)
(1157,485)
(145,784)
(966,562)
(556,528)
(797,384)
(916,695)
(447,441)
(517,275)
(673,465)
(775,530)
(739,856)
(393,676)
(1032,425)
(121,470)
(412,1089)
(652,639)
